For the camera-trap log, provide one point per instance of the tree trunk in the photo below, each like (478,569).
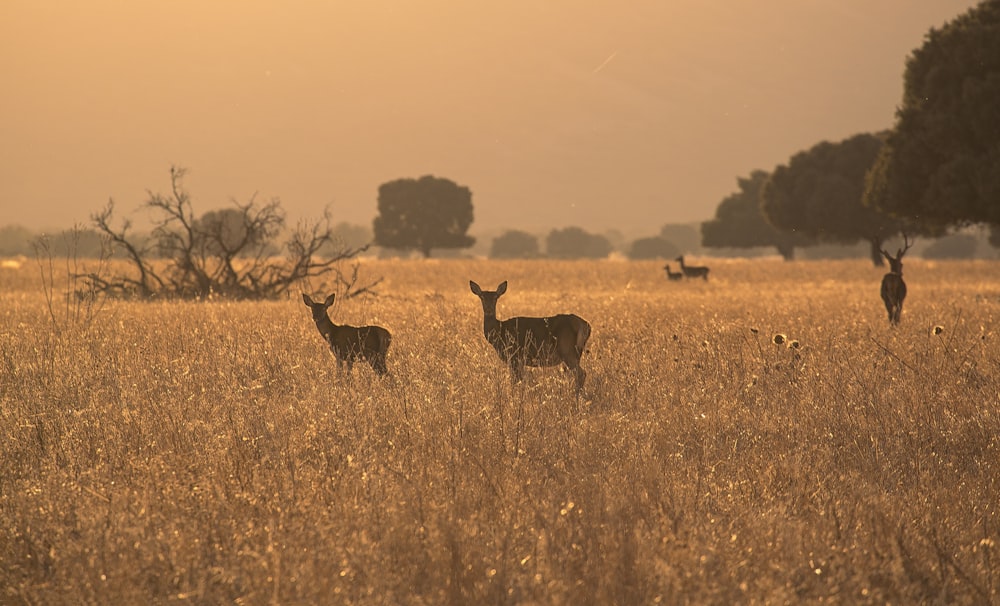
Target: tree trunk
(876,251)
(787,251)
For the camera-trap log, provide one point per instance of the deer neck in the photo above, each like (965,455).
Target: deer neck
(490,322)
(325,324)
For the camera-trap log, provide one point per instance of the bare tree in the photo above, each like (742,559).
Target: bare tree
(228,253)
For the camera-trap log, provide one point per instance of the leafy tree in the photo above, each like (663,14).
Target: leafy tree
(425,213)
(655,247)
(739,222)
(939,166)
(515,244)
(224,253)
(574,243)
(818,194)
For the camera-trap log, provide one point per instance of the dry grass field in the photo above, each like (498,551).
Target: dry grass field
(208,452)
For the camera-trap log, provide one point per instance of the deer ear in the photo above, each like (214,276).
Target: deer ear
(475,288)
(308,301)
(502,288)
(329,300)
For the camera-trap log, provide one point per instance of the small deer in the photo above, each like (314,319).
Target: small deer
(351,343)
(893,287)
(671,275)
(524,341)
(690,271)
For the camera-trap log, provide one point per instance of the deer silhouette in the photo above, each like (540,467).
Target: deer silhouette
(351,343)
(893,287)
(523,341)
(692,271)
(671,275)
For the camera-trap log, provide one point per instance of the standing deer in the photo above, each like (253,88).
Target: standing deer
(350,343)
(524,341)
(692,271)
(671,275)
(893,287)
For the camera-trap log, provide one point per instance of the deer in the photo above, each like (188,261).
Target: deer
(524,341)
(893,287)
(671,275)
(690,271)
(350,343)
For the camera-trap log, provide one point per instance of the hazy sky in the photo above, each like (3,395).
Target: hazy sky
(600,114)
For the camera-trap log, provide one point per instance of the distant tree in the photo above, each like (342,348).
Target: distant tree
(818,194)
(574,243)
(422,214)
(739,222)
(223,253)
(15,240)
(939,166)
(655,247)
(348,235)
(233,232)
(685,236)
(515,244)
(953,246)
(994,238)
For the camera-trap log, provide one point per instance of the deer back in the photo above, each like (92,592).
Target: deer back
(539,341)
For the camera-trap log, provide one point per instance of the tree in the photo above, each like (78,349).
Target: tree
(685,236)
(425,213)
(939,164)
(740,223)
(224,253)
(819,194)
(655,247)
(574,242)
(515,244)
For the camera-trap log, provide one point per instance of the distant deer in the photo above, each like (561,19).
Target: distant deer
(893,287)
(671,275)
(351,343)
(533,341)
(692,271)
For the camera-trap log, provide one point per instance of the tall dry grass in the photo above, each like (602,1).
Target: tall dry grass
(209,453)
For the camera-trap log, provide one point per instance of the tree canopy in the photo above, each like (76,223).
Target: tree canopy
(514,244)
(819,194)
(575,243)
(939,166)
(422,214)
(739,222)
(654,247)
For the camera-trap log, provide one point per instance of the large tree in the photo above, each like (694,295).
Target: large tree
(740,223)
(422,214)
(515,244)
(819,194)
(941,162)
(575,243)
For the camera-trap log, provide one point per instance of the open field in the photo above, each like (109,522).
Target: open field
(209,453)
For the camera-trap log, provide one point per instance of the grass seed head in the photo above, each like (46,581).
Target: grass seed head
(779,339)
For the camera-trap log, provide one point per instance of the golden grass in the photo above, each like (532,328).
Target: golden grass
(209,453)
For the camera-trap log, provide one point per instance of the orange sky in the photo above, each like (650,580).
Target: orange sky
(599,114)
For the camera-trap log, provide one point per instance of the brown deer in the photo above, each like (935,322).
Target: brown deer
(690,271)
(893,287)
(351,343)
(671,275)
(524,341)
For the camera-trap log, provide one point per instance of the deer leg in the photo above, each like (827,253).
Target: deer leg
(378,364)
(516,372)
